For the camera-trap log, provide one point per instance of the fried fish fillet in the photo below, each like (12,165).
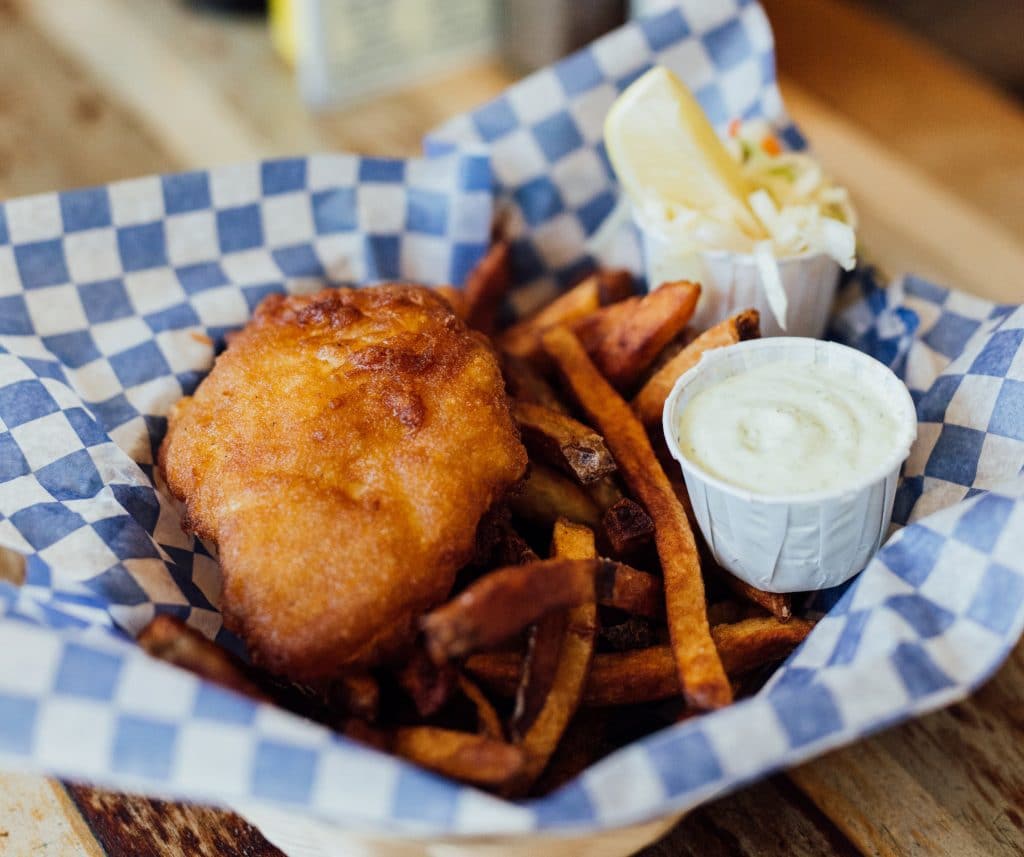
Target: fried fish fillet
(341,454)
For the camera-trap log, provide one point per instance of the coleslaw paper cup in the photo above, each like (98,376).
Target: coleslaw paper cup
(113,301)
(793,543)
(731,282)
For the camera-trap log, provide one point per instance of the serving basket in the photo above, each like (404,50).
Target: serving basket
(113,302)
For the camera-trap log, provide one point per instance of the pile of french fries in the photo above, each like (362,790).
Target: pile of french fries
(592,613)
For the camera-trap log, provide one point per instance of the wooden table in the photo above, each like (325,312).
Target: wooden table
(96,90)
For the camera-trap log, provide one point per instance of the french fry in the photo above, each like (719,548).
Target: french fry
(171,640)
(571,541)
(488,722)
(364,733)
(546,495)
(464,756)
(635,592)
(726,612)
(360,695)
(635,338)
(456,299)
(599,289)
(537,672)
(646,675)
(627,526)
(428,684)
(526,384)
(700,668)
(650,401)
(634,633)
(563,442)
(499,672)
(605,492)
(501,604)
(485,287)
(779,604)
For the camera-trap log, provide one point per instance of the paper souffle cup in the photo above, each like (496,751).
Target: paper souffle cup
(731,282)
(793,542)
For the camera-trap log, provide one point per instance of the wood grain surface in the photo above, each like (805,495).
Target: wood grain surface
(935,160)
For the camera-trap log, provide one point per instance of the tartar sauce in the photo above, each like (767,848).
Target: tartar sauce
(788,428)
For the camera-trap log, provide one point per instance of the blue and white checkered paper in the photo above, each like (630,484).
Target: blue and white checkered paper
(112,302)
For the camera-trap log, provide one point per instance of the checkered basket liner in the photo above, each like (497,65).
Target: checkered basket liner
(114,300)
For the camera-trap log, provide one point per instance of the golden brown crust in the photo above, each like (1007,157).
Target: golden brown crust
(341,454)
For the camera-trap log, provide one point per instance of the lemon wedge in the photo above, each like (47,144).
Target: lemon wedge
(663,148)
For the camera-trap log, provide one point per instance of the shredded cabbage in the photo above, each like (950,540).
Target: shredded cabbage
(796,205)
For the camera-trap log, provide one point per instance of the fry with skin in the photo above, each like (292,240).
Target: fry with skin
(526,384)
(563,442)
(539,664)
(546,495)
(171,640)
(779,604)
(646,675)
(500,604)
(485,287)
(463,756)
(634,339)
(600,289)
(488,722)
(571,541)
(360,694)
(605,492)
(700,669)
(627,526)
(428,684)
(650,401)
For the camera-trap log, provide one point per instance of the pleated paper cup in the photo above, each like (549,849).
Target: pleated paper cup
(793,542)
(731,282)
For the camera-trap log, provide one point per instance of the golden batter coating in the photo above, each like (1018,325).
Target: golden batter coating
(341,454)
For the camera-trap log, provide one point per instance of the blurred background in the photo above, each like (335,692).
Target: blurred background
(96,90)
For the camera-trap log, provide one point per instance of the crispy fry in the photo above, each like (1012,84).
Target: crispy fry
(650,401)
(634,633)
(428,684)
(635,592)
(725,612)
(546,495)
(463,756)
(502,603)
(779,604)
(586,741)
(455,297)
(627,526)
(571,541)
(543,643)
(563,442)
(645,675)
(364,733)
(360,694)
(700,669)
(171,640)
(526,384)
(635,338)
(485,287)
(497,671)
(488,722)
(599,289)
(605,492)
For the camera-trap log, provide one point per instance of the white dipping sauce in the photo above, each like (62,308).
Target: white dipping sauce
(788,428)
